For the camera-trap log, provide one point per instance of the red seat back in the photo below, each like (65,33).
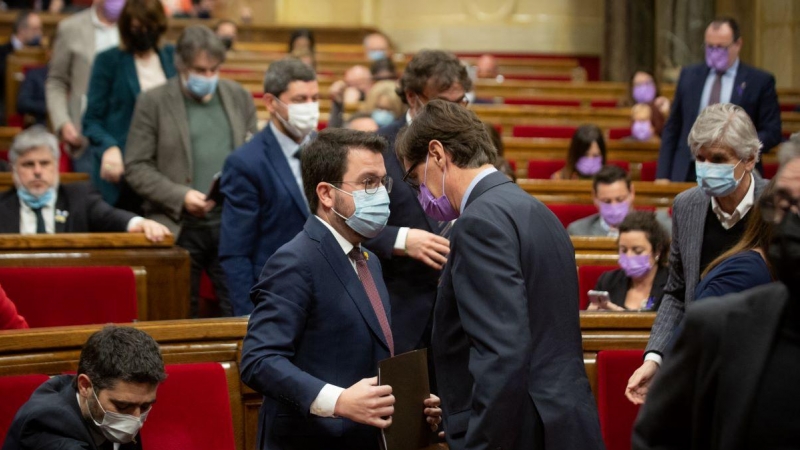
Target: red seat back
(543,169)
(617,414)
(648,172)
(193,410)
(619,133)
(624,165)
(321,125)
(568,213)
(604,103)
(538,131)
(587,280)
(60,296)
(541,101)
(15,391)
(770,169)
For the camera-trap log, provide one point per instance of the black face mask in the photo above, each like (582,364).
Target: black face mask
(143,40)
(227,41)
(784,252)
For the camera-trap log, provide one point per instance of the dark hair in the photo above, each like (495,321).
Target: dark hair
(21,21)
(121,354)
(441,68)
(282,72)
(504,166)
(223,22)
(194,40)
(460,131)
(325,158)
(356,116)
(149,13)
(630,84)
(497,140)
(722,20)
(583,138)
(610,174)
(646,222)
(382,65)
(301,33)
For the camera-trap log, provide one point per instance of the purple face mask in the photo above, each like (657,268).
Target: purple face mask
(437,208)
(635,266)
(642,130)
(112,9)
(717,58)
(589,165)
(614,213)
(644,93)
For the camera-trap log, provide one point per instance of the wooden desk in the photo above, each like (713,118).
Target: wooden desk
(167,266)
(7,181)
(580,191)
(595,250)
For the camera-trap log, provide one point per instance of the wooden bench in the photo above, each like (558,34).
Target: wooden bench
(167,266)
(54,351)
(7,135)
(580,191)
(7,180)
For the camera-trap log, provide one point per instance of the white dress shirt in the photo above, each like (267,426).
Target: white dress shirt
(727,85)
(729,220)
(105,36)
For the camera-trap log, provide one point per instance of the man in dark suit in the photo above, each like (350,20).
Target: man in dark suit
(722,79)
(707,220)
(410,248)
(104,406)
(261,181)
(321,318)
(731,379)
(506,335)
(39,204)
(26,32)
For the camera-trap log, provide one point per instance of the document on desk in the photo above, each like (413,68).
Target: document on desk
(407,374)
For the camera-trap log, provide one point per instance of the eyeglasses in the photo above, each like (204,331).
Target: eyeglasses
(773,209)
(413,185)
(371,184)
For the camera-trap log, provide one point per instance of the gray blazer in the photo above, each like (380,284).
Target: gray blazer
(592,225)
(688,220)
(70,68)
(158,155)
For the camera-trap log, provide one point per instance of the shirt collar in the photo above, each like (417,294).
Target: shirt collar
(288,145)
(408,117)
(344,243)
(731,72)
(97,22)
(729,220)
(483,174)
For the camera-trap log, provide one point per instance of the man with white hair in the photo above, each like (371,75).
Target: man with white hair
(39,204)
(706,220)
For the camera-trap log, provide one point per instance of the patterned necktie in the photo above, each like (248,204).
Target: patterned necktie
(40,228)
(372,292)
(716,89)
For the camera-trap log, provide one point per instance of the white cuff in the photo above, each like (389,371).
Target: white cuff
(134,222)
(400,242)
(653,356)
(325,403)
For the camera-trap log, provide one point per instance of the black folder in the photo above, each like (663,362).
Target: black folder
(407,374)
(213,191)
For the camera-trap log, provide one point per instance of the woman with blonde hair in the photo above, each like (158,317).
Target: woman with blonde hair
(383,103)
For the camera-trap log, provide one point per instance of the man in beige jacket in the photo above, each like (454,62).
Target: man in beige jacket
(79,38)
(179,138)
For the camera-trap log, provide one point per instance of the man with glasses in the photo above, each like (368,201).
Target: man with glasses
(262,183)
(411,248)
(179,138)
(731,379)
(722,79)
(322,317)
(707,220)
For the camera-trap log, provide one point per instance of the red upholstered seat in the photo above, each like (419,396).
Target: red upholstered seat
(568,213)
(321,125)
(15,391)
(619,133)
(59,296)
(543,131)
(193,410)
(543,169)
(648,172)
(587,280)
(624,165)
(770,169)
(617,414)
(604,103)
(541,101)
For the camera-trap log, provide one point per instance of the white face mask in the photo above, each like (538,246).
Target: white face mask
(119,428)
(303,118)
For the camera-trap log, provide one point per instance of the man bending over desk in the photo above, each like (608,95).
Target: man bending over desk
(39,204)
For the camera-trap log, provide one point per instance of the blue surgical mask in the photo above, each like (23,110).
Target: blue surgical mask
(201,86)
(33,201)
(371,214)
(375,55)
(717,180)
(382,117)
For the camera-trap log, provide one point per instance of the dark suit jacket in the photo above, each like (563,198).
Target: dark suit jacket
(5,50)
(703,394)
(738,273)
(87,211)
(506,334)
(313,324)
(616,283)
(263,210)
(753,90)
(411,283)
(53,419)
(30,99)
(113,89)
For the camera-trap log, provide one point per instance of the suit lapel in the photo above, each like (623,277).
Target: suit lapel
(62,204)
(237,126)
(739,84)
(697,96)
(278,161)
(744,351)
(129,66)
(9,209)
(695,215)
(341,265)
(177,110)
